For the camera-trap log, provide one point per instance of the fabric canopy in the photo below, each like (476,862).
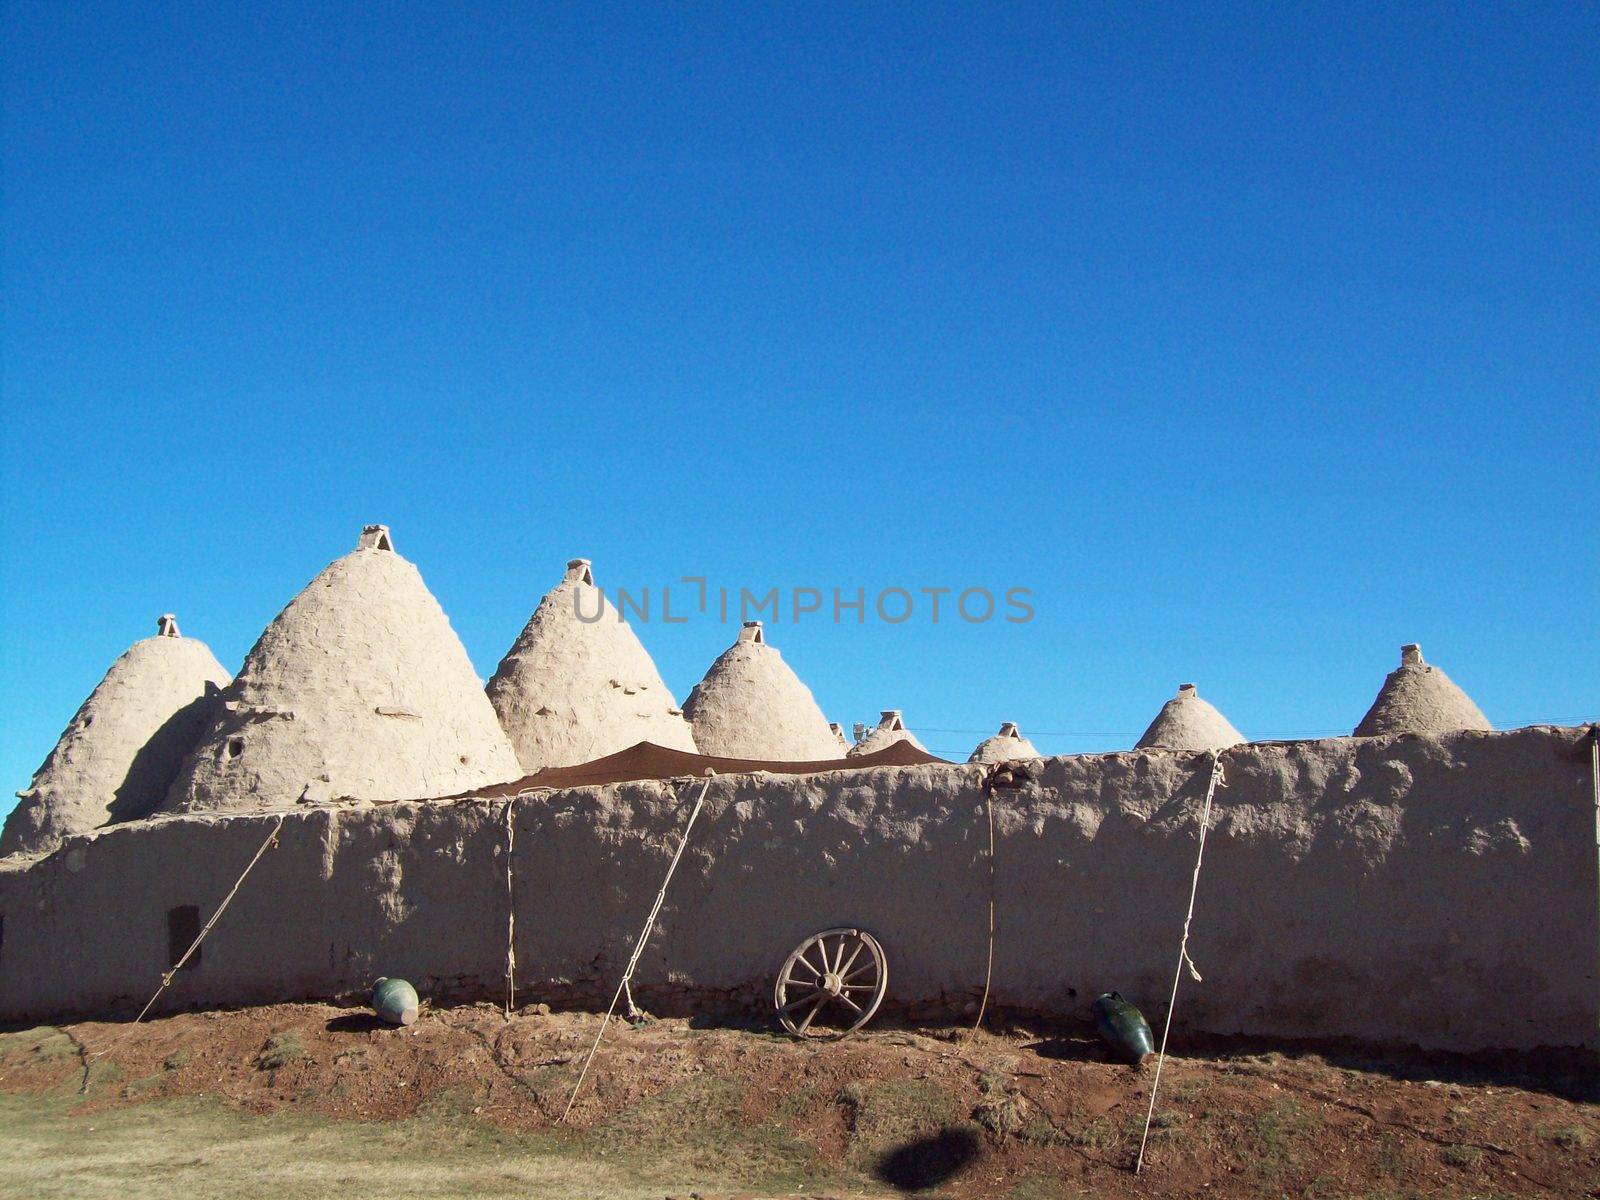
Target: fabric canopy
(646,760)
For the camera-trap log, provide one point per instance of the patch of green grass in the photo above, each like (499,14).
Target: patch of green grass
(1038,1130)
(143,1086)
(102,1073)
(44,1042)
(202,1151)
(1391,1159)
(281,1050)
(697,1129)
(1566,1137)
(1107,1132)
(892,1112)
(1004,1114)
(197,1149)
(1461,1156)
(795,1102)
(1274,1134)
(456,1103)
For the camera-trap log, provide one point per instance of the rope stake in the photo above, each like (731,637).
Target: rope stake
(638,948)
(1184,961)
(167,977)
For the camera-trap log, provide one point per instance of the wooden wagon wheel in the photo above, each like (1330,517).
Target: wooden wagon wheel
(832,984)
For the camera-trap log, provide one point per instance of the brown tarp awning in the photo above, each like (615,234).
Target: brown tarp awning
(650,761)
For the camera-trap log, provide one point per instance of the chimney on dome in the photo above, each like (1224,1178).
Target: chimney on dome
(1185,690)
(375,537)
(752,633)
(580,570)
(1009,729)
(1411,656)
(167,626)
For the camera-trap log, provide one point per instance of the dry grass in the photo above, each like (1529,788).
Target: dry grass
(303,1101)
(52,1150)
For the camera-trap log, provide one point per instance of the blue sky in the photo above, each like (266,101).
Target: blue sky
(1254,341)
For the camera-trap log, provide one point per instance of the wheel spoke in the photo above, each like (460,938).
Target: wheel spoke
(836,971)
(812,1015)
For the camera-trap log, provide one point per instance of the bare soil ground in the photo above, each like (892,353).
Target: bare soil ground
(312,1100)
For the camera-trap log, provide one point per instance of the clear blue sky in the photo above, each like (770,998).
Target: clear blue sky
(1255,341)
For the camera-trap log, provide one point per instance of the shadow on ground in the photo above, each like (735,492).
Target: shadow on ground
(927,1162)
(356,1022)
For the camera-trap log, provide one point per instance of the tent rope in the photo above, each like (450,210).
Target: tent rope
(988,972)
(511,913)
(167,977)
(638,948)
(1184,961)
(1594,777)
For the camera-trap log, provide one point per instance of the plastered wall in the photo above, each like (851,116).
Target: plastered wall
(1438,890)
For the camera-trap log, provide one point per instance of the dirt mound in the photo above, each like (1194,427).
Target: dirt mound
(671,1108)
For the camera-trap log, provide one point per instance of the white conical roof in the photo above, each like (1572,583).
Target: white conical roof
(1417,698)
(577,685)
(751,705)
(891,729)
(118,757)
(358,688)
(1187,722)
(1004,746)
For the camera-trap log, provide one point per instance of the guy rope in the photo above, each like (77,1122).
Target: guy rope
(988,787)
(511,912)
(1183,953)
(166,979)
(638,948)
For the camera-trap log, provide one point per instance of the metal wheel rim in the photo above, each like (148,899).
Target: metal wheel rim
(838,974)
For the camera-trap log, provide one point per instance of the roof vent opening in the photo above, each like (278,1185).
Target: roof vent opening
(891,721)
(835,727)
(375,537)
(580,570)
(752,633)
(167,626)
(1411,656)
(1009,729)
(1185,689)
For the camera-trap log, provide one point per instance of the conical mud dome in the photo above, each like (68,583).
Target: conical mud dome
(577,685)
(118,757)
(751,705)
(1417,698)
(359,688)
(1004,746)
(1187,722)
(891,729)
